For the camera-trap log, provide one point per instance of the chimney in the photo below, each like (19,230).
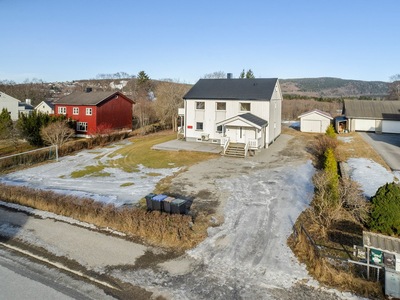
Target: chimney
(28,101)
(229,76)
(88,90)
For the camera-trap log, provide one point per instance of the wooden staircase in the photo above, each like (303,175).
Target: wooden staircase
(235,150)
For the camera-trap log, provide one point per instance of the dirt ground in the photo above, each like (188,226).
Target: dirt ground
(255,202)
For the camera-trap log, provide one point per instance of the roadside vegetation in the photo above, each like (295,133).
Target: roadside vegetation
(339,213)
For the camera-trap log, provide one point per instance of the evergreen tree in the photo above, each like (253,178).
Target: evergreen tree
(242,74)
(142,78)
(250,74)
(330,131)
(5,123)
(385,210)
(330,167)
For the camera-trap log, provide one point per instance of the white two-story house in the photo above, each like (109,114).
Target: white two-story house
(240,111)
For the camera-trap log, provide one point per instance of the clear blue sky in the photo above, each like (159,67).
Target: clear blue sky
(71,40)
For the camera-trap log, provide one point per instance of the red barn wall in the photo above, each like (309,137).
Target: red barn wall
(82,117)
(116,112)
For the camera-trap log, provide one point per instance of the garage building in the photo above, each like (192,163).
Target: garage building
(373,116)
(315,121)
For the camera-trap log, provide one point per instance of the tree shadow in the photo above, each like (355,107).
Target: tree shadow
(346,233)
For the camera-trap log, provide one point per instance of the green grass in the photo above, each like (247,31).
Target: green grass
(99,156)
(94,152)
(140,152)
(153,174)
(127,184)
(62,176)
(89,170)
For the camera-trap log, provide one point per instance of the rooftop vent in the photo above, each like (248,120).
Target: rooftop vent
(229,76)
(88,90)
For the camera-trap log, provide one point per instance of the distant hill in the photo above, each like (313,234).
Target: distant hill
(333,87)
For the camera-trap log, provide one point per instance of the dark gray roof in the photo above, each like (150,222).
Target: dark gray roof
(26,105)
(83,98)
(368,109)
(254,119)
(233,89)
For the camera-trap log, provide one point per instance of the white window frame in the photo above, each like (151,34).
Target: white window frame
(75,111)
(89,111)
(197,126)
(220,103)
(80,125)
(197,105)
(240,106)
(62,110)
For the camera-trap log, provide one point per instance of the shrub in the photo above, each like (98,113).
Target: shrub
(155,227)
(330,167)
(330,131)
(322,143)
(385,209)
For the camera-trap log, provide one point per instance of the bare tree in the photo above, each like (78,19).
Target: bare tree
(57,133)
(169,98)
(215,75)
(394,87)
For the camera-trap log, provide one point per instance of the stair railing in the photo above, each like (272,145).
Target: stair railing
(246,148)
(226,144)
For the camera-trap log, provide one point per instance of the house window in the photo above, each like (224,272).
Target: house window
(81,126)
(219,129)
(199,126)
(76,111)
(200,105)
(244,106)
(62,110)
(221,105)
(88,111)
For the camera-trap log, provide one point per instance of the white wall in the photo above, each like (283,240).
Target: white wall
(314,122)
(44,108)
(11,104)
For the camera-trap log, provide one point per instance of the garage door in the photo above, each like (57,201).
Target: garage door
(311,126)
(364,125)
(391,126)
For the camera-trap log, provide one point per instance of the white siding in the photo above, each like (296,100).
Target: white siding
(364,125)
(390,126)
(44,108)
(314,122)
(11,104)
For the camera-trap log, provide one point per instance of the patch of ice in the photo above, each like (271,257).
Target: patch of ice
(346,139)
(369,174)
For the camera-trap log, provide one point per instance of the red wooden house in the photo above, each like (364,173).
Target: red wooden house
(94,111)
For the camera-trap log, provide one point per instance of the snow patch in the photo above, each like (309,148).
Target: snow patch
(369,174)
(346,139)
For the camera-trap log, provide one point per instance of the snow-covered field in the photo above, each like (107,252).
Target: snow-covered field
(57,177)
(370,175)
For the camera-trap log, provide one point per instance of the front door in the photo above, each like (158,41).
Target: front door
(240,135)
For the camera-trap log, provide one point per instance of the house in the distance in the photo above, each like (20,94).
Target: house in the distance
(15,106)
(95,111)
(243,112)
(45,107)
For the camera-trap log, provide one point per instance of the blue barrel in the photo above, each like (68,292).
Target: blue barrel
(156,202)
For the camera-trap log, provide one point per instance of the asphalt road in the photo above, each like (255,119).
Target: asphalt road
(23,279)
(387,145)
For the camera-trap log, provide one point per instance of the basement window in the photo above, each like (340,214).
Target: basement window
(219,129)
(199,126)
(81,126)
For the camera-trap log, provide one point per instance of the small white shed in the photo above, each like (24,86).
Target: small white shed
(315,121)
